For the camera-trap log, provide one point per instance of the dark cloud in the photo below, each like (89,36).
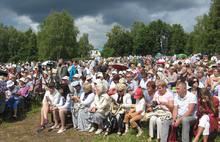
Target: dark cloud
(112,10)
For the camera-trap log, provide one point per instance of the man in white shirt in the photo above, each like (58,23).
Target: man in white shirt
(184,112)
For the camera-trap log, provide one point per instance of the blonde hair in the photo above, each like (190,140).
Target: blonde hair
(161,83)
(87,87)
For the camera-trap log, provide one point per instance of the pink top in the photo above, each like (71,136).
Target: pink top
(168,96)
(23,91)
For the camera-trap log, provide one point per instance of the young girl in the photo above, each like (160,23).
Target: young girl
(207,114)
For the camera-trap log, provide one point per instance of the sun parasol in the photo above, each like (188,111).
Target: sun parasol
(119,67)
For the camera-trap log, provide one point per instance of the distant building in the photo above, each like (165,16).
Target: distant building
(95,53)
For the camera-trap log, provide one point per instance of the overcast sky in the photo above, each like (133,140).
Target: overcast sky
(97,17)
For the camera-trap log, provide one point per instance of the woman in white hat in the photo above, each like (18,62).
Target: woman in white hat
(12,99)
(75,105)
(100,107)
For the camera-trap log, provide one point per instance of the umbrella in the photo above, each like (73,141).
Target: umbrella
(161,61)
(45,63)
(49,63)
(158,55)
(119,67)
(182,56)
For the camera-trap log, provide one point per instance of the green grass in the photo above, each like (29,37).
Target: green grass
(34,110)
(130,137)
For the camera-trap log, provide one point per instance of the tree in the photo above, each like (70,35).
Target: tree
(139,33)
(84,46)
(199,37)
(214,33)
(177,40)
(159,33)
(119,40)
(28,51)
(108,52)
(3,43)
(15,41)
(57,37)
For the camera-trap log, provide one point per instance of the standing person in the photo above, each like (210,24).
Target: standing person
(72,71)
(184,112)
(62,69)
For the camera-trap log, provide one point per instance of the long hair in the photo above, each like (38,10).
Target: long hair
(66,90)
(205,95)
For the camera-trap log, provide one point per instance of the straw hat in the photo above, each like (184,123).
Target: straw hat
(22,79)
(150,72)
(87,87)
(121,86)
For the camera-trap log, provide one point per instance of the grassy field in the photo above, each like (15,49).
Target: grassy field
(25,130)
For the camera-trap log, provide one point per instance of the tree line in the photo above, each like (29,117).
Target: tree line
(159,36)
(57,38)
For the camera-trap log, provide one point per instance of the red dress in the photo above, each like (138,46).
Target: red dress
(203,108)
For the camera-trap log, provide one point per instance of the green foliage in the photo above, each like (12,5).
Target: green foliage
(140,36)
(119,40)
(178,39)
(16,45)
(159,32)
(84,46)
(4,36)
(143,39)
(108,52)
(57,37)
(206,35)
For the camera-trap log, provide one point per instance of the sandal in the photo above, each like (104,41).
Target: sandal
(61,131)
(40,129)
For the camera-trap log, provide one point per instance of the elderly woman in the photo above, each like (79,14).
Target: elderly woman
(85,101)
(100,107)
(76,105)
(136,113)
(164,100)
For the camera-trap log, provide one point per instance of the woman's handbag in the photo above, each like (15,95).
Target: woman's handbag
(172,134)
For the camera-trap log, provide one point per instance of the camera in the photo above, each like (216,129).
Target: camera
(154,104)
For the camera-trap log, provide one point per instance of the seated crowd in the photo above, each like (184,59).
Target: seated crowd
(104,98)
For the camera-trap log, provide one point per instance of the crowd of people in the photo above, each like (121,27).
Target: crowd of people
(113,95)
